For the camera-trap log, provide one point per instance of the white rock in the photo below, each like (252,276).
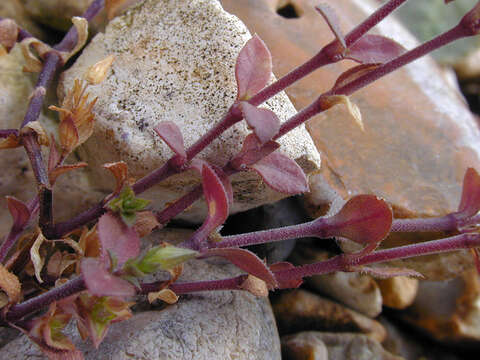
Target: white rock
(174,60)
(209,325)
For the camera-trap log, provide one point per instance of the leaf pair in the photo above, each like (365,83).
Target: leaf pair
(369,49)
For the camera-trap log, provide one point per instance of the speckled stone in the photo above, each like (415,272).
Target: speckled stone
(174,60)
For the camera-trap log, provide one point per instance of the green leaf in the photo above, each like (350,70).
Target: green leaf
(127,205)
(164,257)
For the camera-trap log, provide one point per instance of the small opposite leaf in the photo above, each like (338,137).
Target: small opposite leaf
(146,222)
(127,205)
(36,257)
(326,102)
(253,68)
(227,184)
(120,172)
(374,49)
(364,219)
(19,212)
(100,282)
(282,174)
(10,284)
(10,142)
(96,314)
(331,18)
(353,74)
(55,173)
(98,72)
(285,284)
(470,202)
(264,122)
(217,200)
(164,258)
(166,295)
(247,261)
(252,152)
(255,286)
(171,134)
(68,135)
(118,238)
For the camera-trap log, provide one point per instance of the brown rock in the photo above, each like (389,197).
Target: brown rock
(339,346)
(300,310)
(448,311)
(419,135)
(359,292)
(398,292)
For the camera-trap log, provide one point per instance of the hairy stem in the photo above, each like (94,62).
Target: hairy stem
(341,262)
(8,132)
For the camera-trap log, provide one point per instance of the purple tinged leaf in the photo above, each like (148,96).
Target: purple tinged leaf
(171,134)
(252,152)
(216,197)
(282,174)
(253,68)
(374,49)
(247,261)
(19,212)
(117,238)
(282,283)
(264,122)
(353,74)
(330,16)
(470,202)
(227,184)
(364,219)
(100,282)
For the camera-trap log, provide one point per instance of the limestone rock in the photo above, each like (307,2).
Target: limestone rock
(57,14)
(419,135)
(398,292)
(359,292)
(13,9)
(300,310)
(339,346)
(174,60)
(455,317)
(204,326)
(73,192)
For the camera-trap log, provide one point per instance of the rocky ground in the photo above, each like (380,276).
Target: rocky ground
(174,61)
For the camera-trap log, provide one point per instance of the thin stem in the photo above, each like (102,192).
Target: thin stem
(341,262)
(36,159)
(444,223)
(32,305)
(51,65)
(380,14)
(180,288)
(70,40)
(60,229)
(7,132)
(309,229)
(178,206)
